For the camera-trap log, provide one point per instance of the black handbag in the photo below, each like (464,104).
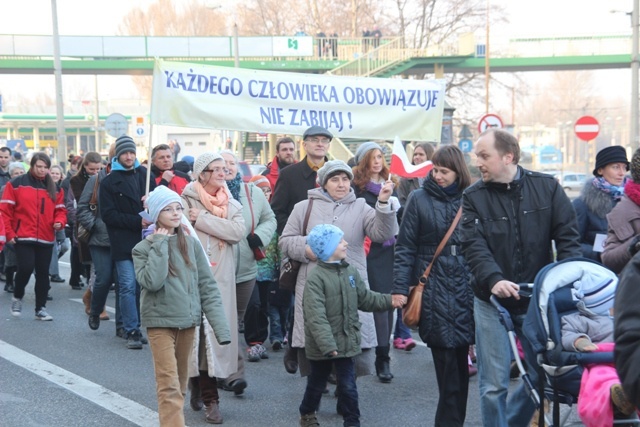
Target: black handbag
(290,267)
(82,234)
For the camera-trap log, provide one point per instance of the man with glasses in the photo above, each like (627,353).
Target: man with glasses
(291,187)
(294,181)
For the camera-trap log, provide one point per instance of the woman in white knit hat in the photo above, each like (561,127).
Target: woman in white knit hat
(217,220)
(177,287)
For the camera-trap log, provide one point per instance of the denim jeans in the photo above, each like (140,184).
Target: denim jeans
(277,323)
(171,348)
(103,267)
(346,389)
(401,330)
(129,295)
(494,358)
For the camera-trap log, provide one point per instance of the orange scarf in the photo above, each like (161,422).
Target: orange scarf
(216,204)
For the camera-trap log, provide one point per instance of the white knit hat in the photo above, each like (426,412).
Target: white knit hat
(203,161)
(159,199)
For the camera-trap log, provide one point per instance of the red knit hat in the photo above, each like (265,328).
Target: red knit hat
(260,181)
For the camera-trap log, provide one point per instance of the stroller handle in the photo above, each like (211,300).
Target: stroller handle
(505,318)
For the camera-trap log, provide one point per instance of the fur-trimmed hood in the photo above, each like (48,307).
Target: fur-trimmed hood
(596,200)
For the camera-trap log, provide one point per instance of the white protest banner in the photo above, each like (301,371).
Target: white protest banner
(202,96)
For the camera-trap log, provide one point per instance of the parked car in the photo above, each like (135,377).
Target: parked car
(571,181)
(248,170)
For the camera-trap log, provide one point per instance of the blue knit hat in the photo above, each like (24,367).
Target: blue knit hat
(324,239)
(598,293)
(159,199)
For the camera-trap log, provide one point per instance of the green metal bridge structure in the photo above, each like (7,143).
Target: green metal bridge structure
(134,55)
(384,58)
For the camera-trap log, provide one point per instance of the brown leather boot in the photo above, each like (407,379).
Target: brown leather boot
(212,413)
(104,315)
(86,299)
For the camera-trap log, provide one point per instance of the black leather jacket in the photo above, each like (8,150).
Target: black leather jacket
(508,229)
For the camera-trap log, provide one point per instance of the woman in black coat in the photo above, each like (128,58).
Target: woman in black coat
(599,196)
(446,321)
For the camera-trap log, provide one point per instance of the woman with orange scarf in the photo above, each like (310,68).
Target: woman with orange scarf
(218,222)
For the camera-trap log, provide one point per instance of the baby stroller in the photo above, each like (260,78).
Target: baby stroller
(551,299)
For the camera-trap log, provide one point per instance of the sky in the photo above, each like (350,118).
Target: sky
(96,17)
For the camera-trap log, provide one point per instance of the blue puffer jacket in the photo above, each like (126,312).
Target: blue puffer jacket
(446,319)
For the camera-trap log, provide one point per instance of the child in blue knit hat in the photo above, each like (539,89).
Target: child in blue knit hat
(333,294)
(590,329)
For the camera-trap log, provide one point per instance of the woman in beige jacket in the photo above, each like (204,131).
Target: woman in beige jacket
(335,203)
(217,219)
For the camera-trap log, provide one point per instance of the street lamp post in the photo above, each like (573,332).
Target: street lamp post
(635,65)
(57,70)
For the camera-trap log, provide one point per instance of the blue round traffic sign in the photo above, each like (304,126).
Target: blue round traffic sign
(465,145)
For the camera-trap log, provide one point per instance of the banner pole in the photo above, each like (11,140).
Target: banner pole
(149,149)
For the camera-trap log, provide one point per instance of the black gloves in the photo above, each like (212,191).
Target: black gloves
(254,241)
(635,246)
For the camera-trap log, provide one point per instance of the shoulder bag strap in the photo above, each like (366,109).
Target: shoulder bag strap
(440,247)
(246,189)
(94,196)
(306,217)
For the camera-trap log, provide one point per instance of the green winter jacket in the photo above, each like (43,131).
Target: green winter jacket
(177,301)
(264,221)
(332,297)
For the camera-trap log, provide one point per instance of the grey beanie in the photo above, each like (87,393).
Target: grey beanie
(364,148)
(125,144)
(330,167)
(203,161)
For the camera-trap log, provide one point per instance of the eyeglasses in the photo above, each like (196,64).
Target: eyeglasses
(217,170)
(179,209)
(318,140)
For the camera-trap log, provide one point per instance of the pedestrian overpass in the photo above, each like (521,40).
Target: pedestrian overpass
(388,57)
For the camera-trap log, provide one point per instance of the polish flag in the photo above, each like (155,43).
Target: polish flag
(401,166)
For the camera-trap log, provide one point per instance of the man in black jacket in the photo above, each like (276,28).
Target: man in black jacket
(510,219)
(627,328)
(121,200)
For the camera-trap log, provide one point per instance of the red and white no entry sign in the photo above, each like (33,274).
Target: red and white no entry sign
(490,121)
(587,128)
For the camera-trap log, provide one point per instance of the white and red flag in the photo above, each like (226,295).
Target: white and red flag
(401,166)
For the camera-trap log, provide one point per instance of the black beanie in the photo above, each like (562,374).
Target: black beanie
(613,154)
(124,144)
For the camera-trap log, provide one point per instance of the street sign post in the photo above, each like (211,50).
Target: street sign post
(465,145)
(116,125)
(490,121)
(587,128)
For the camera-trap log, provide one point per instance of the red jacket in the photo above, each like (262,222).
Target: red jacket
(29,213)
(177,184)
